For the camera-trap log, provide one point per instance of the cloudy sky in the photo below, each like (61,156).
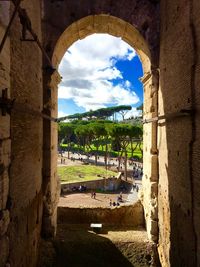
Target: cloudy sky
(99,71)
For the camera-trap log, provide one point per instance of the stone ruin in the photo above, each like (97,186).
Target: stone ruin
(166,36)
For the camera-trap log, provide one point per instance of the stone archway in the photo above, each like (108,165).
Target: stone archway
(130,20)
(21,195)
(57,46)
(102,24)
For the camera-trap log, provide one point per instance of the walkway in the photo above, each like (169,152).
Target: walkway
(133,194)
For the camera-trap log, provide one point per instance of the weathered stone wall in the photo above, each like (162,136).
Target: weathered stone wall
(150,157)
(178,138)
(143,15)
(124,215)
(25,193)
(21,185)
(5,141)
(51,183)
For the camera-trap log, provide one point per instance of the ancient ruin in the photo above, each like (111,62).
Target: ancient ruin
(34,36)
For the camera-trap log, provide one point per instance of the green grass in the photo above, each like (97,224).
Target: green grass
(82,173)
(137,153)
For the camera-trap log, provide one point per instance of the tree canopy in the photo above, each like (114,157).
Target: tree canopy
(101,113)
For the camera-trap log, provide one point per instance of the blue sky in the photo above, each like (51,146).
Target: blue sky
(99,71)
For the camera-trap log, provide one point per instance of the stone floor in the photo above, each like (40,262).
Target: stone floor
(79,246)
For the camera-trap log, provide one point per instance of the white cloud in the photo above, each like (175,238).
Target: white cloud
(133,113)
(62,114)
(88,68)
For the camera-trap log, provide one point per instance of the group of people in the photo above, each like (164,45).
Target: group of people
(137,170)
(62,161)
(114,203)
(117,203)
(80,188)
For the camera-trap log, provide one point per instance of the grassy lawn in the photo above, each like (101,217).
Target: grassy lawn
(82,173)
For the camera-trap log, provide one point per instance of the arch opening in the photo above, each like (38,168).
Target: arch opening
(98,72)
(118,28)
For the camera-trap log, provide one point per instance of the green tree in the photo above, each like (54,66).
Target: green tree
(102,113)
(135,137)
(65,132)
(121,132)
(98,132)
(84,134)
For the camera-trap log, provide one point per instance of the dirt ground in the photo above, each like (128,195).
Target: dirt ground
(77,200)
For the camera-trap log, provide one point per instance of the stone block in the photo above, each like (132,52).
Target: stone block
(49,229)
(154,168)
(154,192)
(85,26)
(154,228)
(4,15)
(153,213)
(5,151)
(68,38)
(4,222)
(4,250)
(131,36)
(4,188)
(116,26)
(101,23)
